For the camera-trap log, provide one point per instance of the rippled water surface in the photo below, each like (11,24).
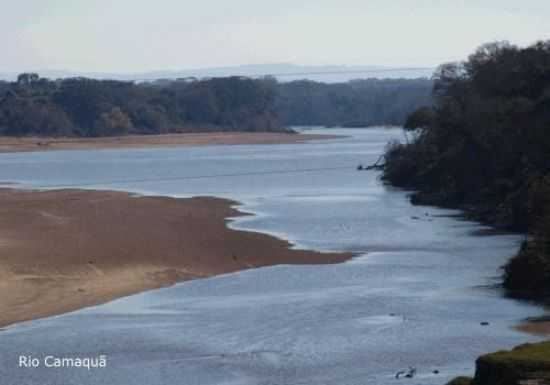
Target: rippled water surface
(414,296)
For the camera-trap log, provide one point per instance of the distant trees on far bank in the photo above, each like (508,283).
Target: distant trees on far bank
(358,103)
(87,107)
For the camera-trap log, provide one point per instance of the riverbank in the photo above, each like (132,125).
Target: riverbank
(23,144)
(539,326)
(525,364)
(67,249)
(484,215)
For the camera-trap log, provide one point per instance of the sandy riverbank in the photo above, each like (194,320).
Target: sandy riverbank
(536,327)
(67,249)
(13,144)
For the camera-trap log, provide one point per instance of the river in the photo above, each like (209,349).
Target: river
(415,295)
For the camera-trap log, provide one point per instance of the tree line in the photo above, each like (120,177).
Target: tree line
(358,103)
(87,107)
(485,146)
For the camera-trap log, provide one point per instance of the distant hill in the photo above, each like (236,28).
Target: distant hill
(283,72)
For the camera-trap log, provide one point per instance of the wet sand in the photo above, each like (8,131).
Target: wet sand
(538,327)
(20,144)
(67,249)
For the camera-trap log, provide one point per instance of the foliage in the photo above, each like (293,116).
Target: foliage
(528,273)
(485,146)
(88,107)
(420,118)
(358,103)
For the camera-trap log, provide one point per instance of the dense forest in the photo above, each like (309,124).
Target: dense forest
(86,107)
(485,147)
(358,103)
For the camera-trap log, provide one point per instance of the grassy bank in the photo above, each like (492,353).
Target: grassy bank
(529,363)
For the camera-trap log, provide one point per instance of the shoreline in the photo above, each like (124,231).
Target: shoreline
(63,250)
(33,143)
(537,326)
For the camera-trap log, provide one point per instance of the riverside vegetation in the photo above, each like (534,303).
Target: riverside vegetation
(91,108)
(525,364)
(358,103)
(484,147)
(85,107)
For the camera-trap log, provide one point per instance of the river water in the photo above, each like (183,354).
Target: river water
(414,296)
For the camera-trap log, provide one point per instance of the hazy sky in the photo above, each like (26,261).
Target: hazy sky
(143,35)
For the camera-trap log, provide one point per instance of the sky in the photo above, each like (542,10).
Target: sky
(131,36)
